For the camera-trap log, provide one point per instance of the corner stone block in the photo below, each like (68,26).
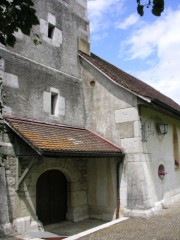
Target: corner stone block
(22,224)
(1,63)
(43,27)
(10,80)
(126,115)
(4,213)
(57,37)
(6,229)
(51,19)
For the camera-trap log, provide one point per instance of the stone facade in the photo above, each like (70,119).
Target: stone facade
(31,76)
(126,120)
(49,83)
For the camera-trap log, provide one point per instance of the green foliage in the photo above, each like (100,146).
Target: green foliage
(156,5)
(140,9)
(36,39)
(15,15)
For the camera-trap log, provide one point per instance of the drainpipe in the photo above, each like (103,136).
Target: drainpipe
(118,185)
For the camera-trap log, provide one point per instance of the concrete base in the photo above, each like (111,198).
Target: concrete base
(6,229)
(27,223)
(145,213)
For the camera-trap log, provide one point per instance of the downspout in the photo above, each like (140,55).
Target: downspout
(118,185)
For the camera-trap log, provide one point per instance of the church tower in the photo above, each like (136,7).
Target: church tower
(42,85)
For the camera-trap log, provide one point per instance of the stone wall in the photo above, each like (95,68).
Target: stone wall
(160,148)
(4,210)
(102,188)
(75,173)
(34,79)
(115,116)
(19,207)
(34,84)
(59,51)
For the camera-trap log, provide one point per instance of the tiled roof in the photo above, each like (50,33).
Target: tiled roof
(45,137)
(129,82)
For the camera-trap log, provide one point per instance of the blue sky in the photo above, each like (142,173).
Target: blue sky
(147,47)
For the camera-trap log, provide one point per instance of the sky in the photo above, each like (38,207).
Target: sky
(147,47)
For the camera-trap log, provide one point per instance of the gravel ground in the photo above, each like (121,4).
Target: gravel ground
(164,226)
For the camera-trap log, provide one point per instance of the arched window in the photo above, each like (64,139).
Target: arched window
(176,148)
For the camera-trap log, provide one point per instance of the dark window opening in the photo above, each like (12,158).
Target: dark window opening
(54,97)
(176,148)
(50,30)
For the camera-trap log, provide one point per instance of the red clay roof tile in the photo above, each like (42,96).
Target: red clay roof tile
(129,82)
(57,138)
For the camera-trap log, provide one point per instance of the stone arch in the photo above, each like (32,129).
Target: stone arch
(66,166)
(69,168)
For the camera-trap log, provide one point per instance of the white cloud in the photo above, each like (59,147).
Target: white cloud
(156,44)
(162,39)
(143,41)
(99,12)
(129,21)
(165,77)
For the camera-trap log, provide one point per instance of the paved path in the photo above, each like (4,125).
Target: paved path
(164,226)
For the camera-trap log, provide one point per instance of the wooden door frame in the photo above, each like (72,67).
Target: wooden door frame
(48,173)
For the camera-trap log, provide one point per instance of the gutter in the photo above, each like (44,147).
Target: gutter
(81,154)
(118,201)
(165,106)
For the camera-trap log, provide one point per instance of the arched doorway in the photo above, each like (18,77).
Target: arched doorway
(51,197)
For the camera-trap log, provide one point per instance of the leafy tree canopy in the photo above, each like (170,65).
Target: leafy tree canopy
(156,5)
(15,15)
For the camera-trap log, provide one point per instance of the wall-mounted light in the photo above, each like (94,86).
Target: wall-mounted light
(161,128)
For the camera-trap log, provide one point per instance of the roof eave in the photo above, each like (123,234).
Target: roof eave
(165,106)
(52,153)
(24,139)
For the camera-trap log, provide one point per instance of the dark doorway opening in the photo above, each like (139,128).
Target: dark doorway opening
(51,197)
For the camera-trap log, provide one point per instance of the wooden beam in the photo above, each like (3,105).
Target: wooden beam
(20,179)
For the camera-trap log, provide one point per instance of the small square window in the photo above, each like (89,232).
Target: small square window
(50,30)
(54,98)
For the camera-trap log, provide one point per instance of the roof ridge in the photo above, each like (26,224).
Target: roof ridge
(34,121)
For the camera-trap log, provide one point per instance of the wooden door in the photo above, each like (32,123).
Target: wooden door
(51,197)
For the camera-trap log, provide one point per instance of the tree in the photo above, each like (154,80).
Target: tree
(156,5)
(16,15)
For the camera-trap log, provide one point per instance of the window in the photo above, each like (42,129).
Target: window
(54,105)
(176,148)
(50,30)
(50,33)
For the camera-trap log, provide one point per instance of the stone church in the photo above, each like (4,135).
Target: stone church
(82,139)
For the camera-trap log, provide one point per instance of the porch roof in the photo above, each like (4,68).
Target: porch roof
(55,139)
